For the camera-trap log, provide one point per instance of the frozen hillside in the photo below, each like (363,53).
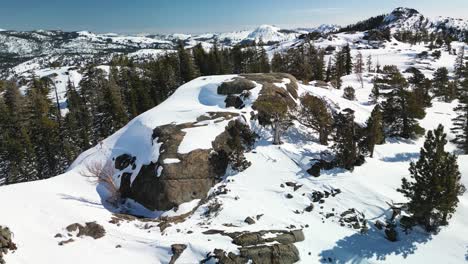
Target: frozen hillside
(275,192)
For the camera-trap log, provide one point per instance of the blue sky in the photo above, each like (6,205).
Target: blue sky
(196,16)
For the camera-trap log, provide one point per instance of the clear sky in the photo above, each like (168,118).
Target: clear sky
(196,16)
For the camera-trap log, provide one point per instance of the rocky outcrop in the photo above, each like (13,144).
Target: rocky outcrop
(6,242)
(177,250)
(90,229)
(236,86)
(263,247)
(163,186)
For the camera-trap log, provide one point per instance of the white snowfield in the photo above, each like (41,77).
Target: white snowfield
(36,211)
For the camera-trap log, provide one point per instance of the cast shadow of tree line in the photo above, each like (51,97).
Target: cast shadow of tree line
(362,248)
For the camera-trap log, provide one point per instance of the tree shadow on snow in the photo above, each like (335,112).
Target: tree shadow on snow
(402,157)
(81,200)
(359,248)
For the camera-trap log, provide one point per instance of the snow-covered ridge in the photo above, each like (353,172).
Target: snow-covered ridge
(402,19)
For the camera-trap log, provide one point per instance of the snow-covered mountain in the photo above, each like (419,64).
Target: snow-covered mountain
(409,19)
(72,48)
(324,28)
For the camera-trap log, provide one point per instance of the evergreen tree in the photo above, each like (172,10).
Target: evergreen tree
(201,59)
(44,132)
(345,147)
(374,130)
(278,63)
(375,92)
(328,73)
(264,63)
(315,115)
(77,122)
(460,122)
(459,63)
(273,111)
(359,64)
(421,87)
(111,110)
(348,61)
(369,63)
(17,161)
(401,109)
(186,66)
(340,68)
(435,183)
(440,84)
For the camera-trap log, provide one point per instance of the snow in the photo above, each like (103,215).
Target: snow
(201,137)
(267,33)
(171,161)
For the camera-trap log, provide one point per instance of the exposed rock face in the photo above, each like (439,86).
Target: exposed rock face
(123,161)
(236,86)
(234,101)
(177,250)
(160,186)
(6,242)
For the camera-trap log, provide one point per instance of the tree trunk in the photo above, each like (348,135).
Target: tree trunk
(323,137)
(277,133)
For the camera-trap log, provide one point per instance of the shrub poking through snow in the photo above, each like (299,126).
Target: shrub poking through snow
(241,139)
(101,173)
(349,93)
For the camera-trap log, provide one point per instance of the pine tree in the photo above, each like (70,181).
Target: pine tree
(345,147)
(369,63)
(278,63)
(375,92)
(340,68)
(401,109)
(201,59)
(264,63)
(328,73)
(441,84)
(77,122)
(459,63)
(435,183)
(348,61)
(44,132)
(273,111)
(460,122)
(186,66)
(315,115)
(421,87)
(16,152)
(111,110)
(374,130)
(359,64)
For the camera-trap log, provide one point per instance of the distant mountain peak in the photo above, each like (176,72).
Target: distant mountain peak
(401,14)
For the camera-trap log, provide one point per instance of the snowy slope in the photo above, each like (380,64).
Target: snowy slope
(36,211)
